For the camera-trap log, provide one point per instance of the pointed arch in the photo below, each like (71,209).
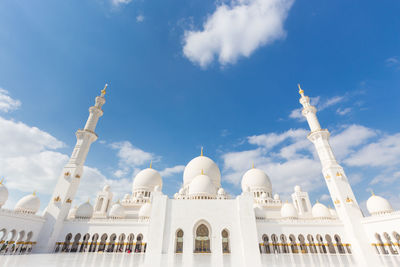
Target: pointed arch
(322,248)
(339,244)
(139,244)
(85,242)
(121,241)
(67,241)
(75,244)
(293,244)
(331,248)
(225,241)
(313,248)
(93,244)
(129,246)
(179,241)
(103,241)
(266,244)
(202,233)
(390,243)
(285,247)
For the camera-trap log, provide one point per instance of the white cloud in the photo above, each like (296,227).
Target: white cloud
(392,61)
(131,155)
(120,2)
(384,152)
(140,18)
(172,170)
(272,139)
(343,111)
(236,30)
(7,103)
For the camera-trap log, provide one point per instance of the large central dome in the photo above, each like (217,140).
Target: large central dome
(200,165)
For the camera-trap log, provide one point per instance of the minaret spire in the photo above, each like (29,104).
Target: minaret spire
(339,187)
(68,182)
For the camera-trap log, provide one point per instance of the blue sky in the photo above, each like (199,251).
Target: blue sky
(186,74)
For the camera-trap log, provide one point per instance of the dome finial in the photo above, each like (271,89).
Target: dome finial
(372,193)
(252,166)
(88,200)
(103,92)
(201,153)
(151,164)
(2,180)
(34,193)
(317,201)
(301,91)
(202,172)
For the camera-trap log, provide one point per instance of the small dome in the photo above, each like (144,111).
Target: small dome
(84,211)
(264,195)
(297,188)
(202,185)
(221,191)
(126,196)
(145,211)
(199,164)
(288,211)
(106,188)
(147,179)
(28,204)
(378,205)
(276,197)
(333,213)
(256,179)
(259,211)
(319,210)
(72,212)
(3,194)
(181,191)
(117,211)
(176,195)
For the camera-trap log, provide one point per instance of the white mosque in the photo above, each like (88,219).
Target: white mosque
(202,217)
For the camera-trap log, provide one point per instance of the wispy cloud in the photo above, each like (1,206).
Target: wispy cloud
(7,103)
(236,30)
(120,2)
(140,18)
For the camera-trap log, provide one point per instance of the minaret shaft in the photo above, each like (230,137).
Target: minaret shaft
(68,182)
(339,187)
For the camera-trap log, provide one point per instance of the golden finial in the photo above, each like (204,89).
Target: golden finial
(252,166)
(317,201)
(151,164)
(88,200)
(372,192)
(103,92)
(34,193)
(287,201)
(2,180)
(301,91)
(202,172)
(201,153)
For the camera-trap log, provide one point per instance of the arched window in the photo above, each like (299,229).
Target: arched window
(266,244)
(65,247)
(19,243)
(129,246)
(99,204)
(275,245)
(321,245)
(303,246)
(84,243)
(313,248)
(75,245)
(93,244)
(202,240)
(179,241)
(285,247)
(397,237)
(293,244)
(303,203)
(389,243)
(138,246)
(380,244)
(331,248)
(111,244)
(339,244)
(225,241)
(103,241)
(28,247)
(120,245)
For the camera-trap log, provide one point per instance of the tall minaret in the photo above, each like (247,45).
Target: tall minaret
(339,188)
(68,182)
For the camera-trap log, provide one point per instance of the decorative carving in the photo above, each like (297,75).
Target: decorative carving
(327,176)
(348,200)
(67,174)
(57,199)
(77,176)
(339,174)
(68,200)
(337,202)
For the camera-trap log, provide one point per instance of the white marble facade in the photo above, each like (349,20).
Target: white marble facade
(202,218)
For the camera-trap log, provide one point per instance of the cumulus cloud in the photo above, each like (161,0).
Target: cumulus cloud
(172,170)
(131,155)
(236,30)
(343,111)
(7,103)
(290,159)
(384,152)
